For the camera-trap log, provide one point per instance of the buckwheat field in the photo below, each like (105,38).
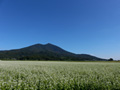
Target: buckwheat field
(51,75)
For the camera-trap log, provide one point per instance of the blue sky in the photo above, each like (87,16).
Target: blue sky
(79,26)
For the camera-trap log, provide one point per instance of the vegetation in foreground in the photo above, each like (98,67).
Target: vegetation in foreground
(41,75)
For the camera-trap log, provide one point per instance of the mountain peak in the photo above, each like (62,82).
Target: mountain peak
(44,52)
(48,44)
(38,44)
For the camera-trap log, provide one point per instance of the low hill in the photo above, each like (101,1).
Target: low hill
(45,52)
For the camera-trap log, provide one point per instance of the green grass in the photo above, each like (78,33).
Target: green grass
(46,75)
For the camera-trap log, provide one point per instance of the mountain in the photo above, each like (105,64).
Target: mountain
(44,52)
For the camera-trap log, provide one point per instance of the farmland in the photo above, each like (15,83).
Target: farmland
(53,75)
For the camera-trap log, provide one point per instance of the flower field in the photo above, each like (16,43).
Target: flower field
(53,75)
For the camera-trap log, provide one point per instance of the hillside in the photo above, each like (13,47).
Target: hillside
(45,52)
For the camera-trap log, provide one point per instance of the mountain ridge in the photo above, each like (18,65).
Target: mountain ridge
(45,52)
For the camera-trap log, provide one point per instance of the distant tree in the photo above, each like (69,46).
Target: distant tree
(111,59)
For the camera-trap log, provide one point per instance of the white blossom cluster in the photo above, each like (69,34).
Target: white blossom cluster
(51,75)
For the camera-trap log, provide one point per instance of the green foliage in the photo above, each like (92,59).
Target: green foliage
(111,59)
(41,75)
(44,52)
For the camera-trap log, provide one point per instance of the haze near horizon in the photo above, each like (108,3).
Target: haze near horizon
(79,26)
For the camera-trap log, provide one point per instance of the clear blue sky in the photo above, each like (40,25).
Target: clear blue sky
(79,26)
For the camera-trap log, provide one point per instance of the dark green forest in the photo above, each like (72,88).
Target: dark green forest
(45,52)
